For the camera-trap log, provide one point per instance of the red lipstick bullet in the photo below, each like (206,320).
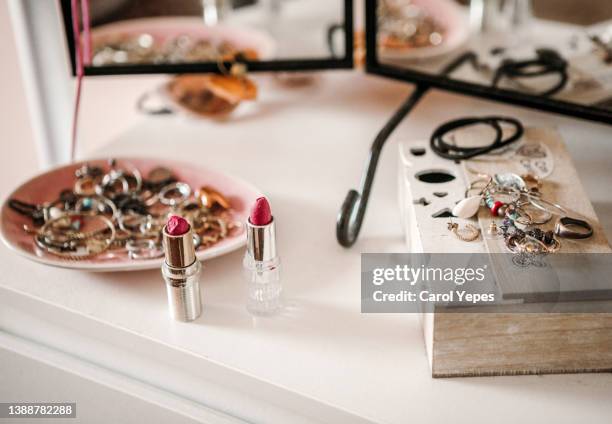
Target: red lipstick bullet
(261,213)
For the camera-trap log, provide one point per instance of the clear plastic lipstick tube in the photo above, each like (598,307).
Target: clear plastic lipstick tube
(262,270)
(181,271)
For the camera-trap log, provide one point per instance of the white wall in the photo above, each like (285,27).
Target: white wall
(114,96)
(18,158)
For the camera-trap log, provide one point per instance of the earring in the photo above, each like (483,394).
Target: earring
(468,233)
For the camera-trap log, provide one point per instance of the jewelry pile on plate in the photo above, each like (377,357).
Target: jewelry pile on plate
(115,212)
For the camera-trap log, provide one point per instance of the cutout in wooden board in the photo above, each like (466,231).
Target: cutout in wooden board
(435,176)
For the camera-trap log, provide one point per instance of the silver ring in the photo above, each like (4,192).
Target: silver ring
(547,205)
(108,184)
(513,193)
(182,188)
(121,221)
(97,201)
(541,219)
(85,186)
(136,245)
(143,249)
(138,177)
(197,240)
(563,228)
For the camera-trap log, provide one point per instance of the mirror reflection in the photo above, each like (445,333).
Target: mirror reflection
(558,49)
(149,32)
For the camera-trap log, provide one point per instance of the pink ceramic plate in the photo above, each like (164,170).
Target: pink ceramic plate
(46,187)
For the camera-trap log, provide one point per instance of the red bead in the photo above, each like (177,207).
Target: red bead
(495,207)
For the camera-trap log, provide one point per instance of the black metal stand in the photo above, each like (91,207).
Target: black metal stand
(353,209)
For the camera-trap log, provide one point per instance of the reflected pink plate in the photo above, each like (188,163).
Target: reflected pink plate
(47,186)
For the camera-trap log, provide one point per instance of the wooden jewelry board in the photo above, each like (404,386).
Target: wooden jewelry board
(498,343)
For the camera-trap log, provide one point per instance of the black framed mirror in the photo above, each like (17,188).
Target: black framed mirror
(185,36)
(552,55)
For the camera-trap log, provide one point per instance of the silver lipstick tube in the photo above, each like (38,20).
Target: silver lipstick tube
(261,241)
(181,271)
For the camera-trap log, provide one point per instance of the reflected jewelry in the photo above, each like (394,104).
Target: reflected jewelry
(144,48)
(407,27)
(468,233)
(563,228)
(546,62)
(168,194)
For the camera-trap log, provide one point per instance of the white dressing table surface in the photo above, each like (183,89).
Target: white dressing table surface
(321,359)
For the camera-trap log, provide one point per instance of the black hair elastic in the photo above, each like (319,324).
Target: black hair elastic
(450,151)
